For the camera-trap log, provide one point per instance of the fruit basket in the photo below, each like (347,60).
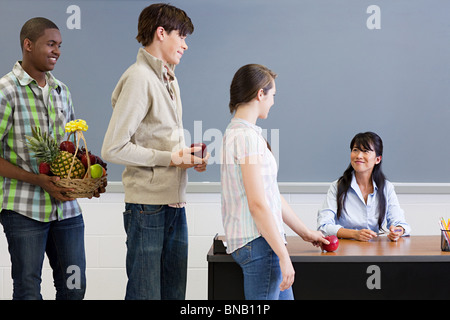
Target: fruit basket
(78,168)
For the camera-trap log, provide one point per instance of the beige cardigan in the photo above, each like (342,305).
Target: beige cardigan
(145,128)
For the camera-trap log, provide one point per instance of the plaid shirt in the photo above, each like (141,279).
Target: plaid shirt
(21,108)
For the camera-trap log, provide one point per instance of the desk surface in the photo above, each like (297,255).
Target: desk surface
(416,262)
(381,249)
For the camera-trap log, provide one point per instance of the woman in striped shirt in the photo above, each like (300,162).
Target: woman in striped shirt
(253,211)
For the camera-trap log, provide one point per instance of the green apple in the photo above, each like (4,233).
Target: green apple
(96,171)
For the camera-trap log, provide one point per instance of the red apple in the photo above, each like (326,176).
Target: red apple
(44,168)
(334,244)
(92,159)
(67,146)
(202,153)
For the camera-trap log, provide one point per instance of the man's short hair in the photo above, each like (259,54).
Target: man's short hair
(35,28)
(162,15)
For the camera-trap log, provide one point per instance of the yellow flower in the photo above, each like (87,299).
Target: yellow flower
(76,125)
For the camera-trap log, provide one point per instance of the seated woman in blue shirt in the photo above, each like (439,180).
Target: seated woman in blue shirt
(361,203)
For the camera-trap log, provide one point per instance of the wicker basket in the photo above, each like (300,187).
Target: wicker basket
(82,188)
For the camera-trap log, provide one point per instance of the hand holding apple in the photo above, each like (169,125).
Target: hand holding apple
(200,153)
(333,244)
(183,159)
(203,154)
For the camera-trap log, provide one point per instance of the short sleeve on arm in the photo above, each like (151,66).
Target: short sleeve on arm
(247,143)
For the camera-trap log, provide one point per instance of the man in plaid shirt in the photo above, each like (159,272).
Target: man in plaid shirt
(37,217)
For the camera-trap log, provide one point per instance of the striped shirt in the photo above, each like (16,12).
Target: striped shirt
(243,139)
(22,107)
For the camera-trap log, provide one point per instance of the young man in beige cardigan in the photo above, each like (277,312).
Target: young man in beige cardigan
(145,134)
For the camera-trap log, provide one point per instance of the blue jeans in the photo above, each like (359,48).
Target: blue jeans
(262,274)
(157,249)
(28,241)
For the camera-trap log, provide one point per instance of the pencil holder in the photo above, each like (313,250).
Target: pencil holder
(445,240)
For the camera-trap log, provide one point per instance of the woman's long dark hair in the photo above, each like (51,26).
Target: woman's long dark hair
(364,141)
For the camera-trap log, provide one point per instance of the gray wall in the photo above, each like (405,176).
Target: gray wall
(336,75)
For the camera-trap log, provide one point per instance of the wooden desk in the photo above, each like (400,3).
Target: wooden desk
(411,268)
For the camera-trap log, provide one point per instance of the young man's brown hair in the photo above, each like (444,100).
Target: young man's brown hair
(162,15)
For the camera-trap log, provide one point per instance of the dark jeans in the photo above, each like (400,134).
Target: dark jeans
(62,241)
(157,249)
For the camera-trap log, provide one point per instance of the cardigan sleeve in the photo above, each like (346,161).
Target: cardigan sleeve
(131,104)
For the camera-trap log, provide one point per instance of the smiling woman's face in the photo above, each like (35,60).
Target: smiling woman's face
(363,160)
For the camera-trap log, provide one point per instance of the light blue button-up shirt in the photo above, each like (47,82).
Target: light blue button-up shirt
(358,214)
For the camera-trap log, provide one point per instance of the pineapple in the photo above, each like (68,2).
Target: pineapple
(47,150)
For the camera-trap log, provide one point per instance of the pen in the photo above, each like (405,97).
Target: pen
(383,232)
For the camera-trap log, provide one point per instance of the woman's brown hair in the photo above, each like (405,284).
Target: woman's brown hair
(246,83)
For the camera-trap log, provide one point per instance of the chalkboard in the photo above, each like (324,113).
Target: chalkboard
(343,67)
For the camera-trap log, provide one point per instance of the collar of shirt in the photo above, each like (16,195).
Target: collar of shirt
(168,77)
(168,74)
(161,69)
(164,71)
(25,79)
(354,185)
